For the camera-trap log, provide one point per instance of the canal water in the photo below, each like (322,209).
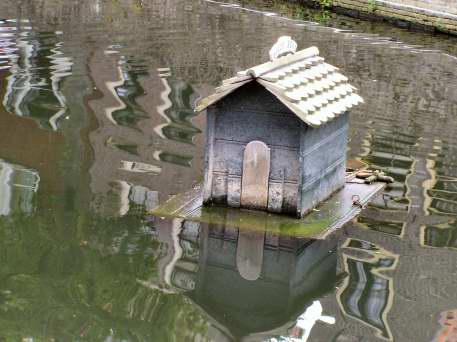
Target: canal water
(97,128)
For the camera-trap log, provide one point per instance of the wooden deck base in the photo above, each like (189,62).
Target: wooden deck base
(328,216)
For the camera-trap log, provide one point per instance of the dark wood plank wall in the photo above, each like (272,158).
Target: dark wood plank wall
(323,161)
(307,164)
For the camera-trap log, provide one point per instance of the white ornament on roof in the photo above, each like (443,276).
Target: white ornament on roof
(284,46)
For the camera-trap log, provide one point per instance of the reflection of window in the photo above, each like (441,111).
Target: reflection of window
(130,113)
(443,193)
(177,103)
(180,134)
(38,68)
(18,186)
(367,294)
(393,228)
(139,167)
(135,199)
(183,279)
(125,199)
(173,158)
(392,153)
(444,206)
(441,236)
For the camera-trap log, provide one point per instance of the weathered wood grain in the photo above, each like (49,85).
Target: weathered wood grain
(256,173)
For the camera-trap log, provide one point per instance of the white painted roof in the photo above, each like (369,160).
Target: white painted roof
(312,89)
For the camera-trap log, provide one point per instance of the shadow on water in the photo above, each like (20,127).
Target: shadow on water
(97,128)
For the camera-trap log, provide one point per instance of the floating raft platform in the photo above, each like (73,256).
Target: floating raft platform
(330,215)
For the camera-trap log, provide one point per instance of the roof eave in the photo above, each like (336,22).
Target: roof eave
(221,92)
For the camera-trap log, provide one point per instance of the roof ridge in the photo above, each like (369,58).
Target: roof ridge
(312,89)
(270,66)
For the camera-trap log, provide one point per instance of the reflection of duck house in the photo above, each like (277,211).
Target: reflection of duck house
(277,133)
(291,275)
(251,284)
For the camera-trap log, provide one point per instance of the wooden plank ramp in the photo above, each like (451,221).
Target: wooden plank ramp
(328,216)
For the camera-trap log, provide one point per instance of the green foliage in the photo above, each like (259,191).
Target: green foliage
(301,13)
(325,3)
(372,5)
(324,17)
(439,24)
(81,282)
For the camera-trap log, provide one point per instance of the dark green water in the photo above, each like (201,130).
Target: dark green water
(96,127)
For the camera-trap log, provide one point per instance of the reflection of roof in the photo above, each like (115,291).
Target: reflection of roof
(312,89)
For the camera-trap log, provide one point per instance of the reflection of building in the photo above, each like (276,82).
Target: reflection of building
(145,135)
(129,199)
(37,69)
(127,90)
(210,262)
(18,186)
(389,284)
(22,143)
(442,194)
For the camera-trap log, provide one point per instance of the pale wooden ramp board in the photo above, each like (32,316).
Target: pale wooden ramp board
(249,253)
(256,172)
(328,216)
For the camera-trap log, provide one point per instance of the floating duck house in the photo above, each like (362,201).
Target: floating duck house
(277,133)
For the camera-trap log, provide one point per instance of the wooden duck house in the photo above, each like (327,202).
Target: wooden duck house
(277,133)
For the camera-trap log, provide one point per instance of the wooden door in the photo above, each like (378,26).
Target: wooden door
(256,172)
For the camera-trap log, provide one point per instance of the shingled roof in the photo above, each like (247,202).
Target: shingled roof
(312,89)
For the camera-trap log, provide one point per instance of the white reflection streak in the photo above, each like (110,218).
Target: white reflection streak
(13,93)
(124,198)
(139,167)
(166,102)
(20,82)
(177,250)
(306,322)
(5,189)
(13,177)
(111,86)
(61,69)
(312,314)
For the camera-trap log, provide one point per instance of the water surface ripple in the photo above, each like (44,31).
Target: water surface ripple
(97,127)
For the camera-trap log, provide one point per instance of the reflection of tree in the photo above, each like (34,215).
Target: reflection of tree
(82,284)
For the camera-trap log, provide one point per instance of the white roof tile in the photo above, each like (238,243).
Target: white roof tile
(314,90)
